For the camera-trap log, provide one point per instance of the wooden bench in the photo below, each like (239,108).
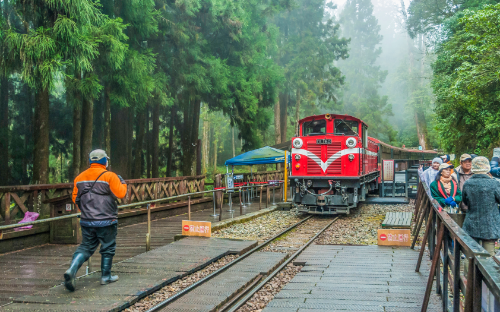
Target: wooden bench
(397,220)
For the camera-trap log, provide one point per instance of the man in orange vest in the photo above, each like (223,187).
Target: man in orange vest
(95,192)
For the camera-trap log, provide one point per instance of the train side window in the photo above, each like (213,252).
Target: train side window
(314,127)
(346,127)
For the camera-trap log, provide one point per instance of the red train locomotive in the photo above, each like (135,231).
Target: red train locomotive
(335,163)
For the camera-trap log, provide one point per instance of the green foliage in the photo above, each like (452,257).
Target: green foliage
(466,83)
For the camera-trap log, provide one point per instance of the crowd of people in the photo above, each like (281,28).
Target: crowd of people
(471,188)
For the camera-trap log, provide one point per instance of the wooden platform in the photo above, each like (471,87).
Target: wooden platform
(139,277)
(356,278)
(397,220)
(30,270)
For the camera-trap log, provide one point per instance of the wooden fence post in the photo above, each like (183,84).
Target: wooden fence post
(434,266)
(6,207)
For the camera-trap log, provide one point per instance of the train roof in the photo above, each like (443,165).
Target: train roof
(315,117)
(401,148)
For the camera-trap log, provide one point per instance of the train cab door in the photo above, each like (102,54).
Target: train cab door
(364,157)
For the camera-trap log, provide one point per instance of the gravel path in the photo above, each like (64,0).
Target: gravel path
(360,227)
(261,228)
(179,285)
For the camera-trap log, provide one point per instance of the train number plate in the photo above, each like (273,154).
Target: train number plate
(324,141)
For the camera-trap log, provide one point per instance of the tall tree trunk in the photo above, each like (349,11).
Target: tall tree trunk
(277,123)
(234,149)
(77,135)
(190,133)
(148,144)
(107,119)
(98,136)
(173,115)
(41,136)
(297,112)
(139,141)
(119,133)
(283,115)
(156,139)
(130,140)
(206,145)
(87,131)
(4,130)
(215,156)
(4,114)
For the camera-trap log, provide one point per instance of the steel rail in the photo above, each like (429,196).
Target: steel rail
(75,215)
(224,268)
(250,293)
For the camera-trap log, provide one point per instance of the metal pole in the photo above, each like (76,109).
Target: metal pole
(273,196)
(285,178)
(89,266)
(213,198)
(260,199)
(148,234)
(267,196)
(241,206)
(220,208)
(230,202)
(189,208)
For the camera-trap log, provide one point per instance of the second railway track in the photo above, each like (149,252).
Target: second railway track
(229,287)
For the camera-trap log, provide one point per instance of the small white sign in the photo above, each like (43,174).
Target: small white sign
(420,147)
(238,177)
(68,207)
(496,152)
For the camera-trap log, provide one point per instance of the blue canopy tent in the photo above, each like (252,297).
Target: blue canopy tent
(264,155)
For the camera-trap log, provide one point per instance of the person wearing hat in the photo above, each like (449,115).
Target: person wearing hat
(495,167)
(95,192)
(481,194)
(445,189)
(429,175)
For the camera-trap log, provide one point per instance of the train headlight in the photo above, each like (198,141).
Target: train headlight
(351,157)
(297,157)
(297,166)
(309,183)
(351,142)
(297,143)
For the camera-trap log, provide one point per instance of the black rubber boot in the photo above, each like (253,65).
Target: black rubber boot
(106,263)
(70,274)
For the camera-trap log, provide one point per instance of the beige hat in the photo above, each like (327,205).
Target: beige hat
(465,157)
(97,154)
(445,166)
(480,164)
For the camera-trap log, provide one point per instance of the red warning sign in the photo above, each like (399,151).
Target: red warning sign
(196,228)
(383,237)
(394,237)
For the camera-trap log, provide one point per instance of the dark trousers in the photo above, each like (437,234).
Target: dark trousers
(92,236)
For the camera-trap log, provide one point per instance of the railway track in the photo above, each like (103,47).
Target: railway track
(312,226)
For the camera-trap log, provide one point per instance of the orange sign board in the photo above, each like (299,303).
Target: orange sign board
(394,237)
(196,228)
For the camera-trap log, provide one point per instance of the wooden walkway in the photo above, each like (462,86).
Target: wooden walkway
(356,278)
(397,220)
(26,271)
(139,277)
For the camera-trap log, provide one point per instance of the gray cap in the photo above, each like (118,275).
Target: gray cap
(97,154)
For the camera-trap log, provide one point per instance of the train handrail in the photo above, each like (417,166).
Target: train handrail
(148,202)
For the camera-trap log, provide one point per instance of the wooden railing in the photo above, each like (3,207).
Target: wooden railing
(479,285)
(17,200)
(259,176)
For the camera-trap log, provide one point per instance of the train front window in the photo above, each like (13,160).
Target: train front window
(314,127)
(346,127)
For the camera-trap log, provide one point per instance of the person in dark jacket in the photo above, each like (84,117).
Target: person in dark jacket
(95,192)
(445,189)
(462,174)
(481,194)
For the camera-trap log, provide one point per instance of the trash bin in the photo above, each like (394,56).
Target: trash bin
(65,231)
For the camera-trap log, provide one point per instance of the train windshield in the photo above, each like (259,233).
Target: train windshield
(346,127)
(314,127)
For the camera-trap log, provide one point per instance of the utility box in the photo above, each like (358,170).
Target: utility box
(65,231)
